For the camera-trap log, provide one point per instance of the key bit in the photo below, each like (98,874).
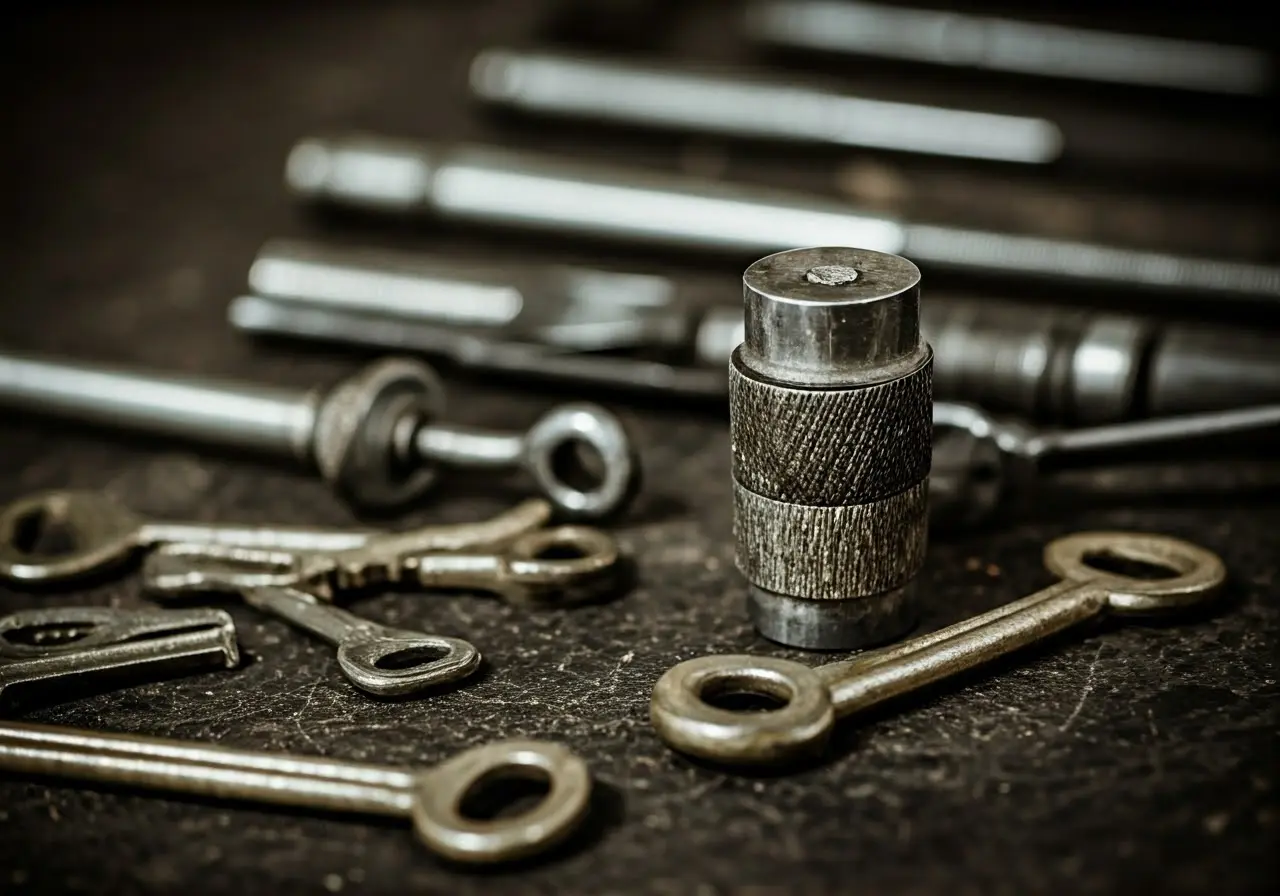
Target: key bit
(376,437)
(49,644)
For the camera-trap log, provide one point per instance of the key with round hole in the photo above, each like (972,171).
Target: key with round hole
(511,556)
(378,659)
(813,698)
(102,532)
(435,798)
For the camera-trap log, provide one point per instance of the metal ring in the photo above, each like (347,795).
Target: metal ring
(359,655)
(103,533)
(1201,572)
(439,793)
(597,428)
(683,718)
(581,566)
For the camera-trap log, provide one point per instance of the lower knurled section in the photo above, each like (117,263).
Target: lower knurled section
(830,447)
(830,553)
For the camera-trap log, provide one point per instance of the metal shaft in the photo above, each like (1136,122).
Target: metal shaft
(373,436)
(737,104)
(1006,45)
(574,307)
(1052,364)
(263,419)
(506,187)
(205,770)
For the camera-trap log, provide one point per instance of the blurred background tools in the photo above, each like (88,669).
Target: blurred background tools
(1018,47)
(498,186)
(749,104)
(984,467)
(830,424)
(374,436)
(737,104)
(646,333)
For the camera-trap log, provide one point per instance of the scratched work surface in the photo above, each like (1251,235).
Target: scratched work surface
(146,153)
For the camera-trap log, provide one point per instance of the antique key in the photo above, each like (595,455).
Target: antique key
(814,698)
(435,798)
(511,555)
(47,644)
(102,532)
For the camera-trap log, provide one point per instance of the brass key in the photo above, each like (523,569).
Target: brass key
(814,698)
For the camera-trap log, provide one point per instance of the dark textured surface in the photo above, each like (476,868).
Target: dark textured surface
(824,553)
(829,447)
(144,156)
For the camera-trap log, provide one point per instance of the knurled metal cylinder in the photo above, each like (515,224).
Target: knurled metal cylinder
(830,410)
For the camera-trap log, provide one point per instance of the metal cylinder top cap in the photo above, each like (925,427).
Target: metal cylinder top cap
(832,316)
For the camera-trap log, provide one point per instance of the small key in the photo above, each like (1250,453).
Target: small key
(509,556)
(436,798)
(814,698)
(48,644)
(103,533)
(378,659)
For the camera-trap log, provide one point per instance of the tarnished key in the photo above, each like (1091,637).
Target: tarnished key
(510,555)
(48,644)
(378,659)
(435,798)
(814,698)
(103,532)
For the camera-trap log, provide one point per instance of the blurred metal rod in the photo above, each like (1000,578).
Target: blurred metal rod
(1008,45)
(739,105)
(508,187)
(274,316)
(573,307)
(1051,364)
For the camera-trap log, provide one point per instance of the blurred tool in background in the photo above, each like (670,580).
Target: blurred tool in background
(1007,45)
(491,185)
(735,104)
(783,108)
(1052,364)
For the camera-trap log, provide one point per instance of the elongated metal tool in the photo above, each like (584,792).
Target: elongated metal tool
(375,436)
(738,104)
(488,185)
(959,40)
(1051,363)
(434,798)
(684,713)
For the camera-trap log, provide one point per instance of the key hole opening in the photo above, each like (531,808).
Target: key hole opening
(44,533)
(411,657)
(1119,564)
(578,464)
(505,793)
(745,693)
(560,550)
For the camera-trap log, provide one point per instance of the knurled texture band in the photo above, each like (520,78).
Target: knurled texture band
(830,553)
(830,447)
